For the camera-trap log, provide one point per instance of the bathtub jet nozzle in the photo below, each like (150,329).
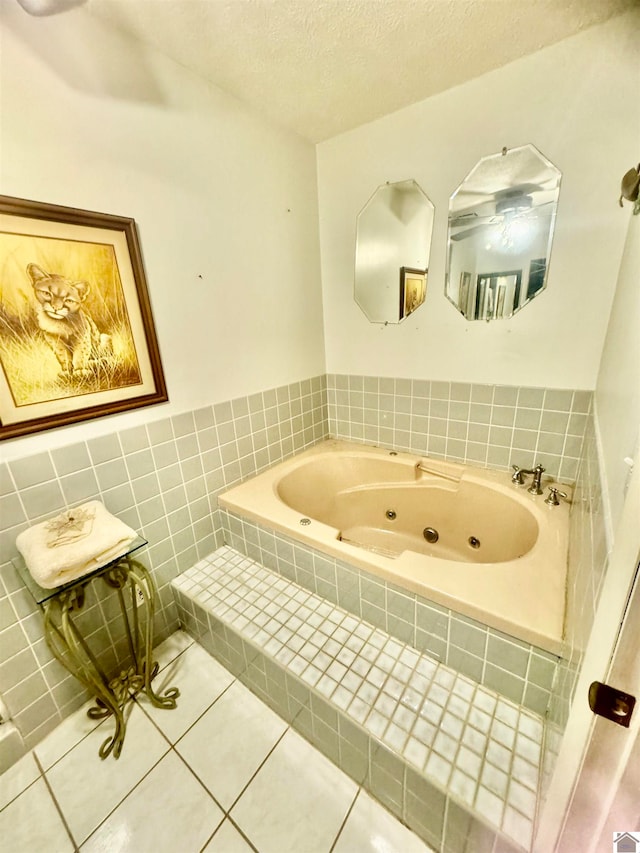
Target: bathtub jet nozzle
(431,534)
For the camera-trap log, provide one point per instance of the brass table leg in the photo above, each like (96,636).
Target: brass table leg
(71,649)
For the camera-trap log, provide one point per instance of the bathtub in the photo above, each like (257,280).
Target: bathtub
(466,538)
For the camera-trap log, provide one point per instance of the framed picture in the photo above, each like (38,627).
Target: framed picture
(465,284)
(413,290)
(497,294)
(77,339)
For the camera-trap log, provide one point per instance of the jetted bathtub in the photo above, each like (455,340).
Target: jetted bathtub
(463,537)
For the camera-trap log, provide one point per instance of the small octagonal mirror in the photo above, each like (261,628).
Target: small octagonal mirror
(501,221)
(393,240)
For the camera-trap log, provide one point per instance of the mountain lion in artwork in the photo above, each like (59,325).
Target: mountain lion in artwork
(69,330)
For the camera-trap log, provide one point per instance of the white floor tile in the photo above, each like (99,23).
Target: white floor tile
(200,680)
(370,828)
(17,778)
(174,645)
(236,734)
(149,801)
(65,736)
(32,823)
(227,840)
(168,811)
(296,802)
(87,789)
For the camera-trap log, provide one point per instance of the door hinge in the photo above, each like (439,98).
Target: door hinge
(611,704)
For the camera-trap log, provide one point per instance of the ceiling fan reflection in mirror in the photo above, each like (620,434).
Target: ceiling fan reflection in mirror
(501,220)
(514,203)
(509,232)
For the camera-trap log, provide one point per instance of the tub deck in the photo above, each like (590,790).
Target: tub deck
(524,598)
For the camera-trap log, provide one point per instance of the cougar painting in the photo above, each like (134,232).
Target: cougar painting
(69,330)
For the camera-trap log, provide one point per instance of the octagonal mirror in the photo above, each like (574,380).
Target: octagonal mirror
(393,241)
(501,221)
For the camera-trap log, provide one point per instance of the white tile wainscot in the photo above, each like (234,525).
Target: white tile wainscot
(451,758)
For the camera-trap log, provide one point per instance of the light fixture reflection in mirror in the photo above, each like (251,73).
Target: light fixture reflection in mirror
(393,240)
(501,221)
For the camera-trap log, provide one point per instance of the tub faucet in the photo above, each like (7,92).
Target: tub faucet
(535,488)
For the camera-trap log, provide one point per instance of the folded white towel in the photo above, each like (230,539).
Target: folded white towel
(73,544)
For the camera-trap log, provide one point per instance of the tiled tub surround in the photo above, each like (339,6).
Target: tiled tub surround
(487,425)
(338,494)
(588,560)
(525,674)
(498,426)
(517,670)
(457,762)
(162,479)
(588,551)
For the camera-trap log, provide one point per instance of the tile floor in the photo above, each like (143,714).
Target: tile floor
(477,745)
(221,773)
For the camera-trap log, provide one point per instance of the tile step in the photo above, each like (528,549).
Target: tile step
(439,750)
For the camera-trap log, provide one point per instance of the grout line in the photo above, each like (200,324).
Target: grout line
(56,803)
(126,796)
(348,815)
(165,736)
(84,737)
(30,785)
(263,762)
(241,833)
(195,775)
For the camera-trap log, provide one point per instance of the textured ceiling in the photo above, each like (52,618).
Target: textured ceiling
(321,67)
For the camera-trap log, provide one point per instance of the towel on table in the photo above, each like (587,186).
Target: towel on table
(74,543)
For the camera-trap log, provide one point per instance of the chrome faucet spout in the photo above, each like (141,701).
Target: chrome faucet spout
(536,483)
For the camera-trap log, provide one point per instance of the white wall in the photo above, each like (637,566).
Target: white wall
(618,388)
(226,204)
(577,102)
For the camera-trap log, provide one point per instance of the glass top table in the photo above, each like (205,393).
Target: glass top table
(41,595)
(136,594)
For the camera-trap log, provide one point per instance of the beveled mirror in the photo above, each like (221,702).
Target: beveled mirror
(501,221)
(393,241)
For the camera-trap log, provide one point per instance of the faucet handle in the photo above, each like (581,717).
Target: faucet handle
(517,477)
(552,497)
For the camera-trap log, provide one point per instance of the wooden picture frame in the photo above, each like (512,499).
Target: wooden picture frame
(413,290)
(77,339)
